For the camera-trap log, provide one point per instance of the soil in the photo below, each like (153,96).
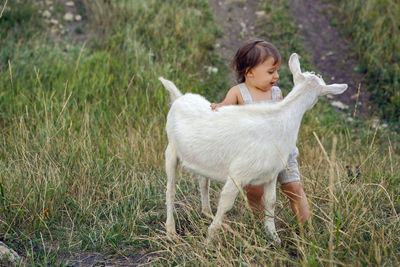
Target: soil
(237,19)
(88,259)
(330,52)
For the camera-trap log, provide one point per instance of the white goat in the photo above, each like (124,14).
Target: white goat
(237,145)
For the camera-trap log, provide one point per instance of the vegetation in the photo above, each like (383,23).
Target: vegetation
(82,141)
(374,28)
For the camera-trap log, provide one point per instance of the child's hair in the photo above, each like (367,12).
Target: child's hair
(251,54)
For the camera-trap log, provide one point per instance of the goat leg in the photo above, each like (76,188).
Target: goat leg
(269,200)
(226,201)
(204,184)
(171,161)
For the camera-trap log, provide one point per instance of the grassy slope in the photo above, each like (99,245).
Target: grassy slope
(374,27)
(83,138)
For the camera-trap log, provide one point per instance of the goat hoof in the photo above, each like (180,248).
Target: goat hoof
(172,235)
(210,236)
(209,241)
(212,230)
(277,241)
(275,238)
(171,232)
(207,213)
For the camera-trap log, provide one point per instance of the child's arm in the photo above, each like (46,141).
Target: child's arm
(230,99)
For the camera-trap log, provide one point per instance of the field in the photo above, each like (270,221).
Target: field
(82,147)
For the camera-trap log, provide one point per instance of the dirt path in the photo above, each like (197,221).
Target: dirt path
(237,19)
(329,51)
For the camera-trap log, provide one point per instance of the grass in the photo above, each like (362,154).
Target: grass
(374,28)
(82,141)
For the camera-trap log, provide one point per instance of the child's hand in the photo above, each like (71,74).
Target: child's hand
(214,106)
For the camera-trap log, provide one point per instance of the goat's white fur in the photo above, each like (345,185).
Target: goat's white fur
(237,145)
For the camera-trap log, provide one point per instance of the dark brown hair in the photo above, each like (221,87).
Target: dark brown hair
(251,54)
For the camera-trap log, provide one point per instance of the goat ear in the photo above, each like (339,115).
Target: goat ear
(294,66)
(334,89)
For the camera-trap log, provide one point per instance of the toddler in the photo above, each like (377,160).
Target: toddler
(256,64)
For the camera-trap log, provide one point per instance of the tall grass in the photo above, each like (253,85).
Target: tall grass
(82,125)
(82,141)
(374,28)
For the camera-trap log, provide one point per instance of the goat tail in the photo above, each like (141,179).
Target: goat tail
(170,86)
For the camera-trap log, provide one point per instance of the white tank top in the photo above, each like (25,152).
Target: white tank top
(275,92)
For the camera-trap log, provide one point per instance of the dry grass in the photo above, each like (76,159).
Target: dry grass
(82,142)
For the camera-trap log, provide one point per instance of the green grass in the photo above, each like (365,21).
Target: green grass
(374,28)
(82,142)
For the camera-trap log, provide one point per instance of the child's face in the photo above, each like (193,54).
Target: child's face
(264,75)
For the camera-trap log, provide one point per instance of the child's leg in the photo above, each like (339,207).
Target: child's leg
(254,196)
(298,201)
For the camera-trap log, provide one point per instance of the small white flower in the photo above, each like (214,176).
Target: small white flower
(70,3)
(54,21)
(211,69)
(330,96)
(339,105)
(68,16)
(260,14)
(46,14)
(375,122)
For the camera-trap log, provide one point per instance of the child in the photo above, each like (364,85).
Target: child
(256,65)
